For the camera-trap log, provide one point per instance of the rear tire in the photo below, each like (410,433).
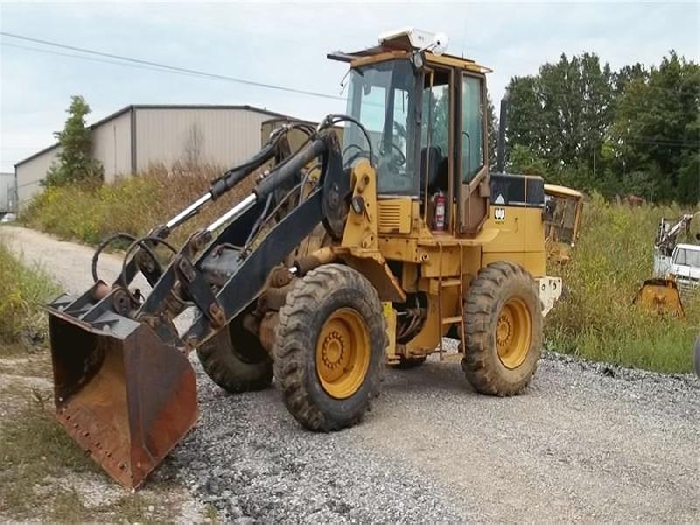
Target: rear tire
(243,366)
(697,356)
(503,330)
(330,348)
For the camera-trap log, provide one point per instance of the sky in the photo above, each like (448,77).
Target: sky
(285,44)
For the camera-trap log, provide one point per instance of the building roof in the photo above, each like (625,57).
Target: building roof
(131,107)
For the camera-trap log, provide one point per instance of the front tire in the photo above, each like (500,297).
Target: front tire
(503,330)
(329,348)
(697,356)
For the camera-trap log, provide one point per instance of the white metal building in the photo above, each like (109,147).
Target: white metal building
(138,135)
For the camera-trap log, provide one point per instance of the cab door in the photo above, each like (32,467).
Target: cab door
(471,136)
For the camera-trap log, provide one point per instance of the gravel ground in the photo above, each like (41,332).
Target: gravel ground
(586,442)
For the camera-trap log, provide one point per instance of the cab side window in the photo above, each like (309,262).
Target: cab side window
(435,132)
(472,127)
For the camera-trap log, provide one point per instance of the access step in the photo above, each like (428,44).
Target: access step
(452,320)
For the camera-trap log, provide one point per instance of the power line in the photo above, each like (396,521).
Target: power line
(92,59)
(169,67)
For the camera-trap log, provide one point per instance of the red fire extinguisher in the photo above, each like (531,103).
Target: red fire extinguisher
(439,219)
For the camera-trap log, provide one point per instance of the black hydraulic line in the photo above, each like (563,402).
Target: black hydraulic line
(306,128)
(291,167)
(235,175)
(259,222)
(138,242)
(278,207)
(335,118)
(306,179)
(101,247)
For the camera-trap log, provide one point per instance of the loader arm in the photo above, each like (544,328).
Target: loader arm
(248,272)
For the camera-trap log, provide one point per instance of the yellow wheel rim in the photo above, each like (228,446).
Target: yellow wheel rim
(513,333)
(342,353)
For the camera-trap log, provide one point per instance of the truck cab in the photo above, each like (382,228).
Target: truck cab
(685,266)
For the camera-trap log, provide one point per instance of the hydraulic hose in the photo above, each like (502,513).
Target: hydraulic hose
(293,165)
(235,175)
(141,242)
(110,240)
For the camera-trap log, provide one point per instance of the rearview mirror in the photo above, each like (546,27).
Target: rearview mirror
(417,60)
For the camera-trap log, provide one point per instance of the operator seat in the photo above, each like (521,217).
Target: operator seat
(434,156)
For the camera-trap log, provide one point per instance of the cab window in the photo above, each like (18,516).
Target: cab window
(687,257)
(472,127)
(435,131)
(382,97)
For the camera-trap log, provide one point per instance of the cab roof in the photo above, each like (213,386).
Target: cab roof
(692,247)
(398,45)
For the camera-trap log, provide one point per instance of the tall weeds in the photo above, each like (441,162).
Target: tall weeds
(131,204)
(22,291)
(597,320)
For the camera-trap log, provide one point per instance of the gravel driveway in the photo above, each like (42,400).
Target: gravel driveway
(586,442)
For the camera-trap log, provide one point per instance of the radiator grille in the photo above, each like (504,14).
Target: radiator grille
(395,216)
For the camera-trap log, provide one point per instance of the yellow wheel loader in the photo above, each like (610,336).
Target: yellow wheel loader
(347,256)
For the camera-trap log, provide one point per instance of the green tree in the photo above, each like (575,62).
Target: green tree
(522,161)
(75,162)
(657,130)
(561,115)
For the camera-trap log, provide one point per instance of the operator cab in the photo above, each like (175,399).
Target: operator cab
(425,114)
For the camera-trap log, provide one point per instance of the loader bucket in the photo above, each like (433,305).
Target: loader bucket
(662,296)
(120,392)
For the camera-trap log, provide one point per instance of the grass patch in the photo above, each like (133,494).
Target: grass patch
(38,457)
(34,446)
(211,514)
(22,291)
(612,258)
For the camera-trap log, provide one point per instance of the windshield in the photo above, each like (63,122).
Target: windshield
(687,257)
(381,97)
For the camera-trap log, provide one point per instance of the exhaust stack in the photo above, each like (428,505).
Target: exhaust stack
(502,121)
